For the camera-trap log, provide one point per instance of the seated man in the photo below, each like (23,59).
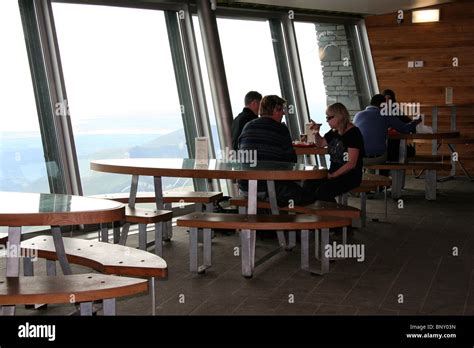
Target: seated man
(374,128)
(272,142)
(393,145)
(250,112)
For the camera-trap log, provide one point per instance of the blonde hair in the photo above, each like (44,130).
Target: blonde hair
(340,112)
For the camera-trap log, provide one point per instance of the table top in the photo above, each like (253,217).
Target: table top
(213,169)
(309,149)
(437,135)
(47,209)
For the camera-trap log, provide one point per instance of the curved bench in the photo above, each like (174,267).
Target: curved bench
(143,217)
(168,197)
(303,222)
(78,288)
(397,171)
(370,182)
(102,257)
(201,199)
(318,208)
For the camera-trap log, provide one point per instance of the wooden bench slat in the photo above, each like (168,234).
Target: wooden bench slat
(369,179)
(318,208)
(58,289)
(102,257)
(261,222)
(146,216)
(427,158)
(461,140)
(411,166)
(365,189)
(168,197)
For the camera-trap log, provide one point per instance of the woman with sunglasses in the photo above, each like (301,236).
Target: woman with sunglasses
(346,149)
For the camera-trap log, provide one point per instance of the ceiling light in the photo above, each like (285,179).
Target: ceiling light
(424,16)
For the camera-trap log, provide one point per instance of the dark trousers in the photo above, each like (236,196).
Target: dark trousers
(328,189)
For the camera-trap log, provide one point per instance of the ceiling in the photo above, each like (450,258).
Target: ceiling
(372,7)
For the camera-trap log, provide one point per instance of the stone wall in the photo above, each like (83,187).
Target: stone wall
(337,67)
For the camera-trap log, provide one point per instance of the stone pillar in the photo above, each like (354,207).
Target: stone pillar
(337,67)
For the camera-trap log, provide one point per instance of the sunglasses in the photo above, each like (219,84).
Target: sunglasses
(329,118)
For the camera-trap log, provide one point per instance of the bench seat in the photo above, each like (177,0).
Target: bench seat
(102,257)
(245,222)
(397,172)
(168,197)
(318,208)
(207,199)
(85,288)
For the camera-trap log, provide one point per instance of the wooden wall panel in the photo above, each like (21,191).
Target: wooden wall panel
(436,44)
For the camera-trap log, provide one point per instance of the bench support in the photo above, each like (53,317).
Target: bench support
(109,306)
(397,182)
(60,250)
(324,268)
(13,263)
(275,211)
(247,244)
(430,185)
(86,308)
(194,248)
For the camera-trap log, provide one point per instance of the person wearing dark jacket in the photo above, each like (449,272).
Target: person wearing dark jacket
(250,112)
(272,142)
(393,145)
(374,126)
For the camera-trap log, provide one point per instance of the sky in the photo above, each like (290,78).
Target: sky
(118,66)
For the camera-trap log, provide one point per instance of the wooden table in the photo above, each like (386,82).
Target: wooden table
(311,150)
(214,169)
(55,210)
(402,155)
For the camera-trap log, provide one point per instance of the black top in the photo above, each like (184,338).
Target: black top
(338,148)
(238,124)
(271,140)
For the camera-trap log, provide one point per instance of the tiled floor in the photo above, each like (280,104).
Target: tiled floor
(409,268)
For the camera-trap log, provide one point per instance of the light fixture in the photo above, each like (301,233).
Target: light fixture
(424,16)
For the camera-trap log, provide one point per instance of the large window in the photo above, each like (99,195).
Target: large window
(249,59)
(249,63)
(22,166)
(121,90)
(312,73)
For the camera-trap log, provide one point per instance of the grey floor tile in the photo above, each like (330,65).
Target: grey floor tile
(326,309)
(442,303)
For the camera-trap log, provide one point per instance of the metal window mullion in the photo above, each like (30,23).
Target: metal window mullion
(42,92)
(366,59)
(283,70)
(296,72)
(184,88)
(52,58)
(196,86)
(195,78)
(216,70)
(182,82)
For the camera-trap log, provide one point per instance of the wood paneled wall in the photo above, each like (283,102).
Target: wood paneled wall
(436,44)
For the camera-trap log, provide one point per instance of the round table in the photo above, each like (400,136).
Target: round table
(214,169)
(44,209)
